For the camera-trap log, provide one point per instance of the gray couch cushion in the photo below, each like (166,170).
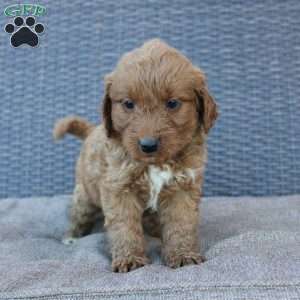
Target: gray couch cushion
(252,246)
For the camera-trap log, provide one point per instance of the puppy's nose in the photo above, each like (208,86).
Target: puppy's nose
(148,144)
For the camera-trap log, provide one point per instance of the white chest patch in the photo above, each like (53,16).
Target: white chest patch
(157,179)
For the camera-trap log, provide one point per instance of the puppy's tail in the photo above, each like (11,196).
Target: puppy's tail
(73,125)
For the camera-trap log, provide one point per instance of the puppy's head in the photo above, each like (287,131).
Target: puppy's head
(155,102)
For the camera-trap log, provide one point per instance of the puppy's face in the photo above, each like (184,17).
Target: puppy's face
(155,101)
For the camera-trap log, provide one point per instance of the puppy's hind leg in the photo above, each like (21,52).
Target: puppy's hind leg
(83,215)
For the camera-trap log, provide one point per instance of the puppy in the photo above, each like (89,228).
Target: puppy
(146,161)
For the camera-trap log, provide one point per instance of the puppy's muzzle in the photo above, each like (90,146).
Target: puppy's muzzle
(148,144)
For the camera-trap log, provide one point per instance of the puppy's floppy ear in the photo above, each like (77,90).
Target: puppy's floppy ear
(107,107)
(207,108)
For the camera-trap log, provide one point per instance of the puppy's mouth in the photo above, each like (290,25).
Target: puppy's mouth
(152,158)
(149,158)
(148,154)
(149,150)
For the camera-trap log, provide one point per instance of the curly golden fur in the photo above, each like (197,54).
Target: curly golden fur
(161,190)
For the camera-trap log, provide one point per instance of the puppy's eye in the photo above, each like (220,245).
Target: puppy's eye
(128,104)
(173,104)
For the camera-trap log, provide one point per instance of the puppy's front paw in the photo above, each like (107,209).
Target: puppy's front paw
(180,260)
(126,264)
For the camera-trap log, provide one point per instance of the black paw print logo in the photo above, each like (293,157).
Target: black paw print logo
(27,33)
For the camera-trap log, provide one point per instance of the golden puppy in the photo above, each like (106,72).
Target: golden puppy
(149,155)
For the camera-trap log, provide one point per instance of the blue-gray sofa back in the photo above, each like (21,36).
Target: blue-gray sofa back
(250,51)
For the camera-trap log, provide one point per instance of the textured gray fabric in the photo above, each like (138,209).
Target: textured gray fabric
(252,247)
(249,50)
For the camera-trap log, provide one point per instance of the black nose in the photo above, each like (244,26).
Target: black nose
(148,144)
